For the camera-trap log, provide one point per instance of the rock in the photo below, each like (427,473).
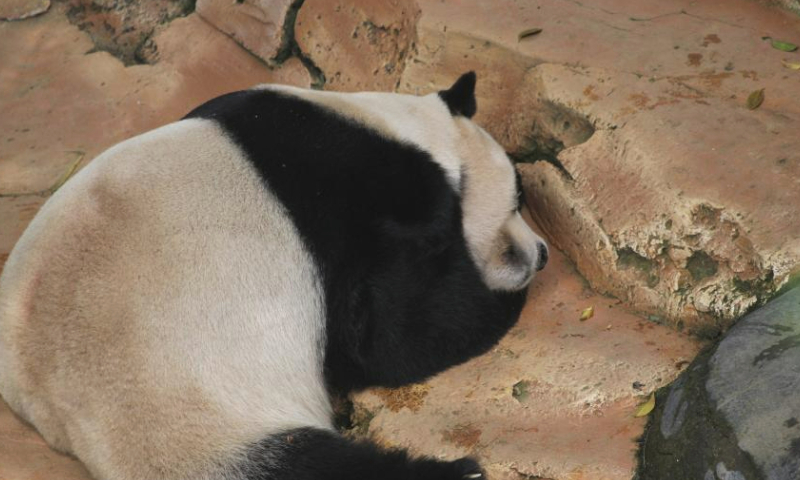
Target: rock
(646,167)
(735,412)
(61,103)
(260,26)
(125,28)
(22,9)
(360,45)
(555,399)
(791,5)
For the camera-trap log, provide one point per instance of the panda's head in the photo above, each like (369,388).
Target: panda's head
(502,245)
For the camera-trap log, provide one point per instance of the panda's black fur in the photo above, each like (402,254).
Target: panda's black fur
(404,299)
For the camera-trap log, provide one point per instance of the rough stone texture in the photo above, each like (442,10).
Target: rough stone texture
(791,5)
(554,399)
(60,104)
(658,182)
(359,45)
(737,408)
(258,25)
(125,28)
(22,9)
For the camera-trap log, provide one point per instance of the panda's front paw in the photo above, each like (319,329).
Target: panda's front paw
(467,469)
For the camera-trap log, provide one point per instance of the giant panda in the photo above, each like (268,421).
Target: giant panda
(186,306)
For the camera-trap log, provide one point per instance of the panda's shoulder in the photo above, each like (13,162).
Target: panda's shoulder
(329,169)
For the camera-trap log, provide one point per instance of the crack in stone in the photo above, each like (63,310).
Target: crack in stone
(554,127)
(663,15)
(525,476)
(290,48)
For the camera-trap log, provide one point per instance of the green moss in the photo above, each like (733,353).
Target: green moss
(701,266)
(627,258)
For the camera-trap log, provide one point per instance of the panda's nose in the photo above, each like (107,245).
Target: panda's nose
(541,260)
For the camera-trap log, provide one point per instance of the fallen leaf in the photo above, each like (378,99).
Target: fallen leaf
(587,313)
(783,46)
(68,173)
(755,99)
(528,33)
(791,65)
(647,407)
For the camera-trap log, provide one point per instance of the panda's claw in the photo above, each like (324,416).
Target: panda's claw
(473,475)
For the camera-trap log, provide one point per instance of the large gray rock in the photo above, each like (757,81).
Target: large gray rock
(735,413)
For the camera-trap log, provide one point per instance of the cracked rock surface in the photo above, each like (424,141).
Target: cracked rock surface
(657,180)
(361,45)
(260,26)
(63,100)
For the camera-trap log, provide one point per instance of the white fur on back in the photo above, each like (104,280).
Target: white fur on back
(160,314)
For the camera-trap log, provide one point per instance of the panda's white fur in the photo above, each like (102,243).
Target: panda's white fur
(162,314)
(95,370)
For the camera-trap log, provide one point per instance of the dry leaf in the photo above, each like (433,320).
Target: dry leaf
(791,65)
(755,99)
(587,313)
(784,46)
(68,173)
(528,33)
(647,407)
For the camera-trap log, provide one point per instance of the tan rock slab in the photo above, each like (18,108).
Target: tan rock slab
(668,192)
(125,28)
(59,102)
(360,45)
(22,9)
(257,25)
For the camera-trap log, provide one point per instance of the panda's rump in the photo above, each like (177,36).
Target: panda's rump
(170,315)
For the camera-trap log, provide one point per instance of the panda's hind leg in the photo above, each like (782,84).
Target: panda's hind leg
(314,454)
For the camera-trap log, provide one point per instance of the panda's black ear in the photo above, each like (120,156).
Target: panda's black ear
(460,98)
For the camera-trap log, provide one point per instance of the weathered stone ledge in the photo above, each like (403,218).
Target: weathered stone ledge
(639,157)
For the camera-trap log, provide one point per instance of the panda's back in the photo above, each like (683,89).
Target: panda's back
(164,284)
